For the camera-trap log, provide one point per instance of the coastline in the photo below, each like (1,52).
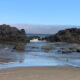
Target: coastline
(40,73)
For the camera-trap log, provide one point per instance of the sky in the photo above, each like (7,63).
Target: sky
(48,12)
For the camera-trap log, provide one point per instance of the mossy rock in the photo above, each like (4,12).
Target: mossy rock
(50,47)
(20,46)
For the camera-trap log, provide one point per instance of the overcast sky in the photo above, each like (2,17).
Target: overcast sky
(45,29)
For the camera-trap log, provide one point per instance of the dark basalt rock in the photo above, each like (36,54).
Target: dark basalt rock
(71,35)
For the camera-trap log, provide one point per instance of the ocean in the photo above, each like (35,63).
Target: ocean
(40,35)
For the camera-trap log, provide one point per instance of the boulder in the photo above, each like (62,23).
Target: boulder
(19,46)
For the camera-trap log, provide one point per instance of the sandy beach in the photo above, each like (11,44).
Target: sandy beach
(40,73)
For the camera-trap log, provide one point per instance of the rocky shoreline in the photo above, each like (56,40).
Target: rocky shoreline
(18,38)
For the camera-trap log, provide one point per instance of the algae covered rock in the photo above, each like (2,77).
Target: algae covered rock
(48,47)
(20,46)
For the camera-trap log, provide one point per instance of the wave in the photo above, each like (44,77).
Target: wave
(36,40)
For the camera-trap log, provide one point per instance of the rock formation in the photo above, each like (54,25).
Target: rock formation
(12,34)
(71,35)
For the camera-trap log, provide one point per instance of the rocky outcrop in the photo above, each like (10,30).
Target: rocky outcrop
(12,34)
(19,46)
(71,35)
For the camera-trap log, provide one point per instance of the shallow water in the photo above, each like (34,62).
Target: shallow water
(35,56)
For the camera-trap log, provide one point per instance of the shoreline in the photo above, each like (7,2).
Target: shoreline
(40,73)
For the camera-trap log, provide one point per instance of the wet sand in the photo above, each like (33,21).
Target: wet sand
(40,73)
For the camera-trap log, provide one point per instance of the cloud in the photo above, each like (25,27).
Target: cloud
(42,29)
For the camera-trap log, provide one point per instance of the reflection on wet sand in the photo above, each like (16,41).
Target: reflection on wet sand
(7,60)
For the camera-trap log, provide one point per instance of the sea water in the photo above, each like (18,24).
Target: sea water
(35,56)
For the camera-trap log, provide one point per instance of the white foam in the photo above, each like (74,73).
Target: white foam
(36,40)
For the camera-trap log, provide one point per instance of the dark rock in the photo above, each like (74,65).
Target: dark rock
(78,50)
(19,46)
(71,35)
(12,34)
(23,31)
(14,47)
